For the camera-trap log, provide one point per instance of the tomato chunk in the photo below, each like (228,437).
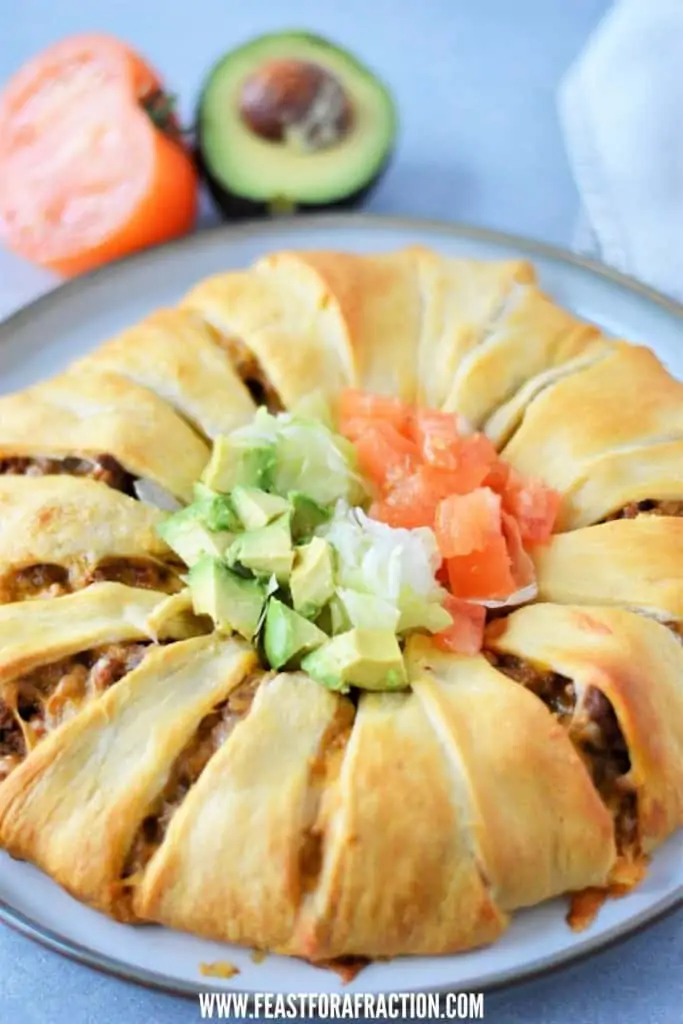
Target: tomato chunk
(383,454)
(466,635)
(534,506)
(467,522)
(361,405)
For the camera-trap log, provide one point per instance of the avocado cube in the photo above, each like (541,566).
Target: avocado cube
(287,635)
(216,510)
(234,603)
(257,508)
(312,580)
(307,515)
(190,538)
(369,659)
(239,461)
(266,552)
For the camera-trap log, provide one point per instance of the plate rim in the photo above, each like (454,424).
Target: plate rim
(525,245)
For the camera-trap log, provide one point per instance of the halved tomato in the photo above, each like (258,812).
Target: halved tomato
(466,635)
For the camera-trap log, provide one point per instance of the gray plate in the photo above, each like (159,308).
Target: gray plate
(46,335)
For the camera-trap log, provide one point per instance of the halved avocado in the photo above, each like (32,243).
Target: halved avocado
(291,122)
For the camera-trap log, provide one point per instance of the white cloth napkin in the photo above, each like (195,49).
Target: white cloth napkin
(621,109)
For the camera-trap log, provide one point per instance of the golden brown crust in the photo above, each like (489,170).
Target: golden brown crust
(461,298)
(612,481)
(391,882)
(564,838)
(74,523)
(634,563)
(73,810)
(250,809)
(638,665)
(531,335)
(175,354)
(624,402)
(87,414)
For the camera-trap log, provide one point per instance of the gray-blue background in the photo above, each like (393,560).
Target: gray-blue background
(475,82)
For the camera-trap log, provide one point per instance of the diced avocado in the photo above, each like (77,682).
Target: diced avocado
(307,514)
(216,510)
(240,461)
(339,617)
(234,603)
(190,538)
(257,508)
(287,635)
(370,659)
(368,611)
(267,551)
(312,580)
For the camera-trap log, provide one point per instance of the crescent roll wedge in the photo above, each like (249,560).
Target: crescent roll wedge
(175,353)
(377,309)
(253,809)
(99,419)
(531,335)
(389,881)
(634,563)
(503,423)
(280,330)
(537,824)
(595,413)
(58,533)
(461,300)
(619,483)
(75,805)
(615,680)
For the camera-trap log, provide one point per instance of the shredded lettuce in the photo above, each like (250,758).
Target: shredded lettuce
(310,457)
(396,566)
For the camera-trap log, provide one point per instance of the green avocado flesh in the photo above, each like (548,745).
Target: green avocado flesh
(241,164)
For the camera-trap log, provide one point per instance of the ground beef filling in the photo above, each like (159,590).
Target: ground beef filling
(36,703)
(104,468)
(45,581)
(649,507)
(249,370)
(143,573)
(595,732)
(212,732)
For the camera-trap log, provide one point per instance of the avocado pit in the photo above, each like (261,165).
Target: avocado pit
(296,102)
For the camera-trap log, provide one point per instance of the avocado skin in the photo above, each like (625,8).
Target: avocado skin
(234,207)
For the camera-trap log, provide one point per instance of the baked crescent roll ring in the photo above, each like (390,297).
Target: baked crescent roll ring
(59,533)
(613,678)
(100,418)
(634,563)
(75,805)
(176,355)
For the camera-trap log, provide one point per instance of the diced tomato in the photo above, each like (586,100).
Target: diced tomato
(497,476)
(522,567)
(405,505)
(483,574)
(361,405)
(466,522)
(384,455)
(466,635)
(533,505)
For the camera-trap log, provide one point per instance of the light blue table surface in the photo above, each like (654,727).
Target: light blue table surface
(475,82)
